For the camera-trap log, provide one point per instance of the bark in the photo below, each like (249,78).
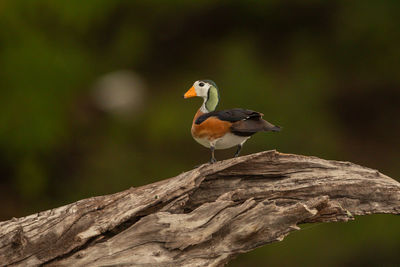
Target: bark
(202,217)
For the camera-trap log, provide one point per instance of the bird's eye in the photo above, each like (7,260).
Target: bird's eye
(201,84)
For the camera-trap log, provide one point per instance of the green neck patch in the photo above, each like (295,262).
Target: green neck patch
(212,99)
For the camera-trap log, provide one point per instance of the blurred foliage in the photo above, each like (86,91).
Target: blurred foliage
(327,71)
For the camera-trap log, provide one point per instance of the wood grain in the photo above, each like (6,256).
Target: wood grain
(203,217)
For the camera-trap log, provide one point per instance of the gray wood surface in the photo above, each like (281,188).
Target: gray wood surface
(203,217)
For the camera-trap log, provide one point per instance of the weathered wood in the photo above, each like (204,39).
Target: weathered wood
(203,217)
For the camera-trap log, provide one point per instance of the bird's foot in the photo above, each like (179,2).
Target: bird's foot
(238,151)
(213,160)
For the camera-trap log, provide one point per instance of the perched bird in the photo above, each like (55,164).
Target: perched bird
(226,128)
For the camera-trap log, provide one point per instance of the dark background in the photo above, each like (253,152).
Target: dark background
(91,101)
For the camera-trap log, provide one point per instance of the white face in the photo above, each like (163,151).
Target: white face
(201,88)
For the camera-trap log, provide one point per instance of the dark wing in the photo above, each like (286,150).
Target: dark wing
(231,115)
(253,125)
(244,122)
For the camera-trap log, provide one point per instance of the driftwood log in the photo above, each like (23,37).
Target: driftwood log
(203,217)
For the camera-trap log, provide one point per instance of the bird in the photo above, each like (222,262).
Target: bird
(226,128)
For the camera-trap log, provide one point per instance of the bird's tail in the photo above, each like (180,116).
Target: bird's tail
(276,129)
(270,127)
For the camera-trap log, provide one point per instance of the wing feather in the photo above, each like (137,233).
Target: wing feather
(231,115)
(245,122)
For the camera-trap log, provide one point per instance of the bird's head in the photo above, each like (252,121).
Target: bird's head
(207,90)
(201,88)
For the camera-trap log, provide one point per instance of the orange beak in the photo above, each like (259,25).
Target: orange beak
(190,93)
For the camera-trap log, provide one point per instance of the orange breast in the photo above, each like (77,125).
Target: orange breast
(212,128)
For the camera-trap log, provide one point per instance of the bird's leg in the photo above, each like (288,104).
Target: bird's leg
(238,150)
(213,160)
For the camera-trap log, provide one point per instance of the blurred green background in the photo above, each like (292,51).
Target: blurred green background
(91,101)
